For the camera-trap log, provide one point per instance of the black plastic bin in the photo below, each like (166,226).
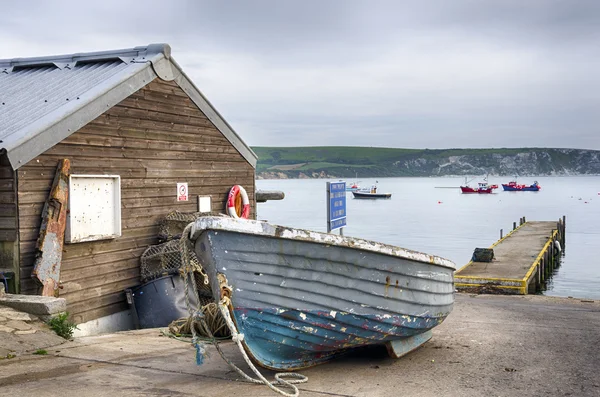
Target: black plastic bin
(159,302)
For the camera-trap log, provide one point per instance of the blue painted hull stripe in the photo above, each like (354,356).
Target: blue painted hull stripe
(303,338)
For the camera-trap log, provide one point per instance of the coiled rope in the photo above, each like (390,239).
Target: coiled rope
(197,317)
(214,321)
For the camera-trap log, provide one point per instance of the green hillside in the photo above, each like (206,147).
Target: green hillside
(348,161)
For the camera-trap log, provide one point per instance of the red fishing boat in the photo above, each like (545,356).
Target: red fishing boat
(482,188)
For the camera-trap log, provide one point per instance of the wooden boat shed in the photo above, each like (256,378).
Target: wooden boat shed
(131,117)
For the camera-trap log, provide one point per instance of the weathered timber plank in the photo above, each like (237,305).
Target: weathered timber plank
(8,235)
(165,107)
(153,115)
(6,185)
(101,141)
(6,173)
(94,248)
(81,313)
(100,281)
(76,270)
(30,234)
(9,223)
(240,177)
(98,162)
(210,186)
(8,210)
(37,179)
(90,262)
(165,89)
(84,294)
(73,151)
(157,97)
(7,197)
(123,121)
(210,136)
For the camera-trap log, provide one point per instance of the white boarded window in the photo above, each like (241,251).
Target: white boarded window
(94,208)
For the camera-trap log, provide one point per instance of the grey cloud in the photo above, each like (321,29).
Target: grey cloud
(379,73)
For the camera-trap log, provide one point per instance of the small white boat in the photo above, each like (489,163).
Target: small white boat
(371,194)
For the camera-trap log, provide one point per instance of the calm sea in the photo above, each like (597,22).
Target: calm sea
(432,216)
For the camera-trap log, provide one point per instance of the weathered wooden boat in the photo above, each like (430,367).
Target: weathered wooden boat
(301,297)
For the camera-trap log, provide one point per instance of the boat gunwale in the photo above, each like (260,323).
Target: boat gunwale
(262,228)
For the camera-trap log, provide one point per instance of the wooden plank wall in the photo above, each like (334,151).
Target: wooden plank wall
(8,209)
(153,139)
(8,215)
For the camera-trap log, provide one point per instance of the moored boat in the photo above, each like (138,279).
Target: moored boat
(513,186)
(482,188)
(301,297)
(370,194)
(352,187)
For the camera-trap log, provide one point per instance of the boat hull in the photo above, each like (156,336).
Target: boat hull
(366,195)
(466,189)
(532,188)
(303,299)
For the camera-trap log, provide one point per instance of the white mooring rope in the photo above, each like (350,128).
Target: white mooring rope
(198,316)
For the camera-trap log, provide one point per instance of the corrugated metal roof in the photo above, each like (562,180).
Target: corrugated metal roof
(27,94)
(44,100)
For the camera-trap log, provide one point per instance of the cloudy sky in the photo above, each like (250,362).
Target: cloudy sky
(419,74)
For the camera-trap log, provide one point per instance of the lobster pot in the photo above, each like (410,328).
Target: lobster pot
(171,227)
(167,259)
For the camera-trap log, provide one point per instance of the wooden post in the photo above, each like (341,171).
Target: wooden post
(552,253)
(564,234)
(262,196)
(500,234)
(514,225)
(524,220)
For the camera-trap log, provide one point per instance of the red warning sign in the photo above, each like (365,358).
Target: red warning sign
(182,191)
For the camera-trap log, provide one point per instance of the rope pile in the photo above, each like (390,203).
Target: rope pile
(213,320)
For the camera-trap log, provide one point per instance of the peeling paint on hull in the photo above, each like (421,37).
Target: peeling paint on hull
(301,298)
(290,342)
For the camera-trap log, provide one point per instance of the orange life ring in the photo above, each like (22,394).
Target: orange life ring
(238,205)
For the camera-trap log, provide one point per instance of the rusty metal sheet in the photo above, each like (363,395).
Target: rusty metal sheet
(50,241)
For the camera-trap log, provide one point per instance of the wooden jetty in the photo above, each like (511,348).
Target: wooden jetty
(523,259)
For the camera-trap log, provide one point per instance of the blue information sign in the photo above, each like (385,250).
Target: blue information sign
(336,205)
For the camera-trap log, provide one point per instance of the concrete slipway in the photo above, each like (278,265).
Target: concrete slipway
(489,346)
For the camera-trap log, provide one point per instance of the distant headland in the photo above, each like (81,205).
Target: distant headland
(362,162)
